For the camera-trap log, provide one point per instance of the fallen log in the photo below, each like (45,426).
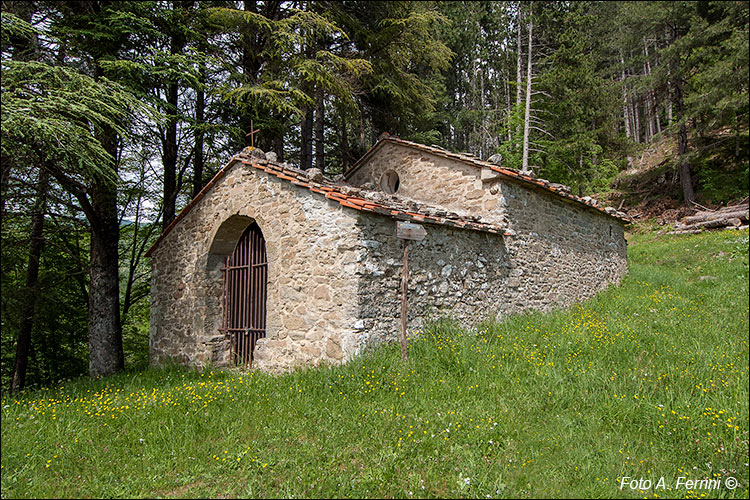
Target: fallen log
(730,221)
(728,208)
(722,222)
(710,216)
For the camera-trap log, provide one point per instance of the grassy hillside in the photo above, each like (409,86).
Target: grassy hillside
(646,380)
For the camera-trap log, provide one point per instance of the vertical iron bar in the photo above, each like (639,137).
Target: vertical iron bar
(258,287)
(251,298)
(242,291)
(224,295)
(248,295)
(243,259)
(245,291)
(264,284)
(232,292)
(254,297)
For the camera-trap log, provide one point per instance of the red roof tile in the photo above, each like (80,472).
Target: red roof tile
(504,171)
(347,196)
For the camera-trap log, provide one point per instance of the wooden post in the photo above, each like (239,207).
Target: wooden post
(406,232)
(404,284)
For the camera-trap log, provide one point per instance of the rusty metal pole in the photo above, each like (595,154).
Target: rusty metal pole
(404,283)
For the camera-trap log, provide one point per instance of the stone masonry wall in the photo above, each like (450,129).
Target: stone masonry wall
(560,252)
(311,280)
(432,179)
(555,261)
(452,272)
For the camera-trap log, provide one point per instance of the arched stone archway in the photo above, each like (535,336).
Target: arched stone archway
(219,340)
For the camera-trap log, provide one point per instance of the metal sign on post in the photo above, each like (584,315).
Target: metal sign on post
(406,231)
(409,231)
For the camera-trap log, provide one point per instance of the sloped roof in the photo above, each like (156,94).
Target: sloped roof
(507,173)
(345,195)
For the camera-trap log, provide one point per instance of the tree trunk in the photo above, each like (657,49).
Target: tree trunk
(345,150)
(508,108)
(277,142)
(306,131)
(670,116)
(105,333)
(636,118)
(525,160)
(670,98)
(686,176)
(169,147)
(200,107)
(649,130)
(251,45)
(483,140)
(127,301)
(736,212)
(657,119)
(23,344)
(625,114)
(519,64)
(471,143)
(319,129)
(169,158)
(653,110)
(137,248)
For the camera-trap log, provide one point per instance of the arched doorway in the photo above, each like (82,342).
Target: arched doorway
(245,276)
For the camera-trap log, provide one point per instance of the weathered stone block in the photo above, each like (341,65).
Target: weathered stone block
(333,349)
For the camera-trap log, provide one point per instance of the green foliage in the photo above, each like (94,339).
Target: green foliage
(59,347)
(400,41)
(135,334)
(646,379)
(12,26)
(721,165)
(53,111)
(720,55)
(285,91)
(56,116)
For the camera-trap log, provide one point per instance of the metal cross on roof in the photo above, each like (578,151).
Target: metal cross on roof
(252,134)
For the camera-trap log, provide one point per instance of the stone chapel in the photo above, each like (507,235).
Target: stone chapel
(280,267)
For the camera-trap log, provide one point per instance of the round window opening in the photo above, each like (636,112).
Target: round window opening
(390,182)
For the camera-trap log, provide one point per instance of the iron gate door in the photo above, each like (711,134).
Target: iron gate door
(244,297)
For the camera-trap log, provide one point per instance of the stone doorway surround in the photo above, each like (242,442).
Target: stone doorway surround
(222,246)
(244,294)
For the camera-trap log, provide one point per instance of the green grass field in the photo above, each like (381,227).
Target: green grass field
(646,380)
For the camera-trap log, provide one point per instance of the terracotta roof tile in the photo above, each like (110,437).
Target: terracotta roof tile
(343,195)
(473,161)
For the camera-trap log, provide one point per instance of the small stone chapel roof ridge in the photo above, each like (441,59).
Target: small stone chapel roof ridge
(505,172)
(345,195)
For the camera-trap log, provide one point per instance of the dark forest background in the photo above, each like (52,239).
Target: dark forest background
(115,114)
